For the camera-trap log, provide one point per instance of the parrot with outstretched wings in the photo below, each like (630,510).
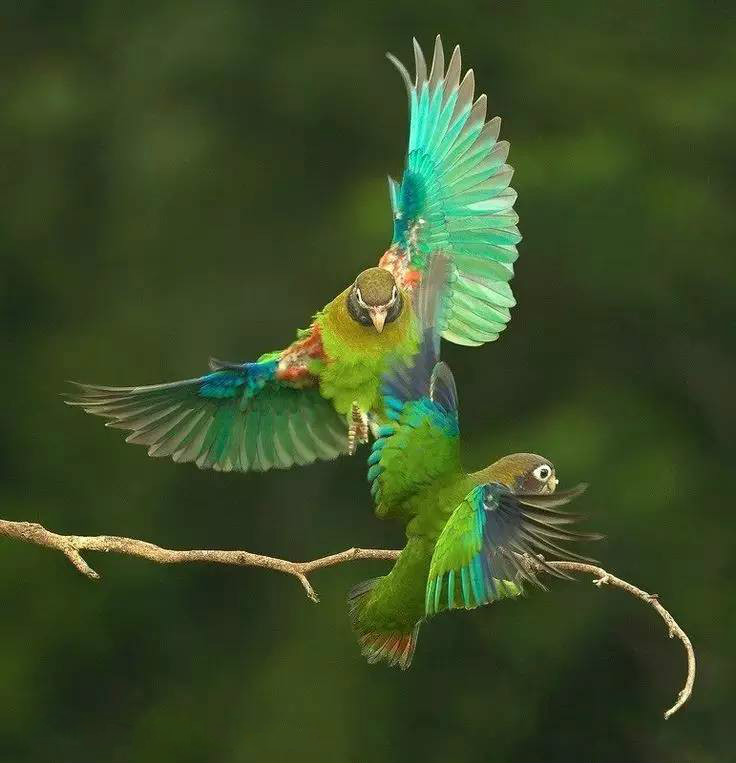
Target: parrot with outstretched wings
(313,399)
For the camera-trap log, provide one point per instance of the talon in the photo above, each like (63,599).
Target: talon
(652,596)
(602,581)
(358,429)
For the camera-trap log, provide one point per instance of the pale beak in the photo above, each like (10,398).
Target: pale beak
(378,316)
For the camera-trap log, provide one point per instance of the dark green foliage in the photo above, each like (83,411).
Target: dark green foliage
(192,179)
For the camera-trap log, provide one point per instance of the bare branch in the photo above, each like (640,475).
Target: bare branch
(72,546)
(601,578)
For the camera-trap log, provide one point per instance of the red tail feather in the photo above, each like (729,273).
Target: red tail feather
(392,647)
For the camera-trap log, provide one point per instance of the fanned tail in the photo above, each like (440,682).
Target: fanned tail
(394,647)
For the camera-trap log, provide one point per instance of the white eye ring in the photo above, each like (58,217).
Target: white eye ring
(360,297)
(543,472)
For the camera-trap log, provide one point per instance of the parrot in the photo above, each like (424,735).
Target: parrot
(468,534)
(320,396)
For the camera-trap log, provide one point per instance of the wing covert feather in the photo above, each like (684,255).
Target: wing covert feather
(479,556)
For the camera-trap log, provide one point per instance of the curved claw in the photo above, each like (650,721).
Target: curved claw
(358,429)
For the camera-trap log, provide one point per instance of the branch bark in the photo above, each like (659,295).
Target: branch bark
(72,546)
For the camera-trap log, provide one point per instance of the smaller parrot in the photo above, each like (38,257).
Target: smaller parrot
(313,399)
(467,534)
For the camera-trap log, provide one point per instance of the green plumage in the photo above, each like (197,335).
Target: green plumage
(316,398)
(290,407)
(455,577)
(358,356)
(276,428)
(422,483)
(466,533)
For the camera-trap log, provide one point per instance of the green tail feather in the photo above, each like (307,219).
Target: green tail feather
(394,647)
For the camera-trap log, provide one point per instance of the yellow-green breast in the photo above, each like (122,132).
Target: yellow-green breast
(358,355)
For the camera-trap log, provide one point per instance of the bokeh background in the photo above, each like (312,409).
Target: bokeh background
(191,179)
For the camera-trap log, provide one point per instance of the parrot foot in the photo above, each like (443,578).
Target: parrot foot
(358,430)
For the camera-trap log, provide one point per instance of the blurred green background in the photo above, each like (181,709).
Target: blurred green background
(192,179)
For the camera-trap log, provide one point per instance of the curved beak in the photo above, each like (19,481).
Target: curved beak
(378,316)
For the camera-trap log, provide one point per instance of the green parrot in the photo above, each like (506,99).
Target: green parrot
(467,534)
(312,400)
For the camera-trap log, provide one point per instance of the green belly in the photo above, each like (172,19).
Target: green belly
(356,356)
(345,381)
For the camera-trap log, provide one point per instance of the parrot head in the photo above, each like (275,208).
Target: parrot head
(523,473)
(375,299)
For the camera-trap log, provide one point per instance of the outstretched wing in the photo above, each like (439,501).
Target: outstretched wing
(421,441)
(238,418)
(455,197)
(479,556)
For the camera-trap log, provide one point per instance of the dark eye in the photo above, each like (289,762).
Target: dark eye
(542,473)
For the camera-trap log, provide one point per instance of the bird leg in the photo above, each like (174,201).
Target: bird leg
(358,429)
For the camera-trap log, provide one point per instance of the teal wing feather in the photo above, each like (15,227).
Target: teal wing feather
(479,556)
(237,418)
(420,444)
(454,197)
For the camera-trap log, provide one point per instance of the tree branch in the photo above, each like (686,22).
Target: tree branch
(601,578)
(72,546)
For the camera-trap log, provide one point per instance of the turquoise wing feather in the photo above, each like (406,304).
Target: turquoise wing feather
(479,555)
(420,443)
(237,418)
(460,575)
(455,197)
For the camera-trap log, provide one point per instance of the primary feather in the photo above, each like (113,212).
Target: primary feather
(485,543)
(224,420)
(454,197)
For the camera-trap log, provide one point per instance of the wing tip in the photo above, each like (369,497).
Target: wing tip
(402,71)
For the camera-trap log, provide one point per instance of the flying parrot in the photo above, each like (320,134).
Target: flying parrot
(313,399)
(467,534)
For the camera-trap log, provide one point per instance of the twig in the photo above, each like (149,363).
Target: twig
(605,578)
(72,546)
